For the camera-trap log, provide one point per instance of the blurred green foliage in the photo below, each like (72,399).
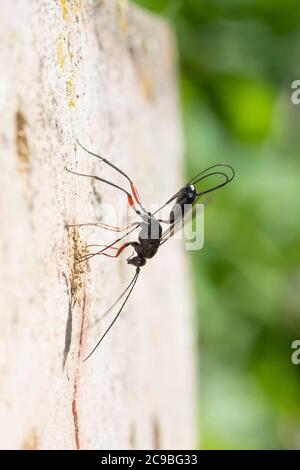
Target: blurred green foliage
(238,59)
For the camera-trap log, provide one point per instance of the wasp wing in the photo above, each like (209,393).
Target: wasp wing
(219,169)
(179,224)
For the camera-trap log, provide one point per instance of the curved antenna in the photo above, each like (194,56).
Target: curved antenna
(131,287)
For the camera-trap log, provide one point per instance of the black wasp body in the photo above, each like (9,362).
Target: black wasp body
(148,241)
(151,234)
(151,231)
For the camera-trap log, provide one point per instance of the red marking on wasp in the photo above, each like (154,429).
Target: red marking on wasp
(130,201)
(119,250)
(135,193)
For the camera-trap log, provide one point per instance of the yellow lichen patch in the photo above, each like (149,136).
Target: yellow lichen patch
(71,93)
(31,441)
(60,52)
(68,6)
(77,270)
(146,86)
(76,6)
(122,8)
(65,8)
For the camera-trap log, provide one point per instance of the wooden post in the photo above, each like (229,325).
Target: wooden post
(102,72)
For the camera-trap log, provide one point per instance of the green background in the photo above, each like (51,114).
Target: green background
(238,59)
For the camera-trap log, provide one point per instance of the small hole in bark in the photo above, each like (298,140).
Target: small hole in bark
(31,441)
(132,436)
(156,434)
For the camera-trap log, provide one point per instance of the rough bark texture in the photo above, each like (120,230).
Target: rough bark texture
(102,72)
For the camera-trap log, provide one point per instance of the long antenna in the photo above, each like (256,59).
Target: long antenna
(132,284)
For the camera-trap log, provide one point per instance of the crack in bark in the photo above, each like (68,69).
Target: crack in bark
(75,415)
(156,433)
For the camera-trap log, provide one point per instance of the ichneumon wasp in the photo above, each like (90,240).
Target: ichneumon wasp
(151,235)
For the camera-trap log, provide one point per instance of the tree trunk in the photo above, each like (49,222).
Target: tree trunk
(102,72)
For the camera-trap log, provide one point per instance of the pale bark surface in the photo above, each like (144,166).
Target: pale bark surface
(103,72)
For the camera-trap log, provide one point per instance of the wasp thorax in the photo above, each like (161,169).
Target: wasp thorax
(151,230)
